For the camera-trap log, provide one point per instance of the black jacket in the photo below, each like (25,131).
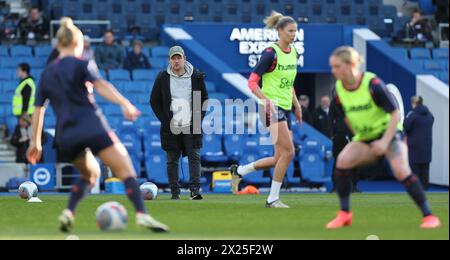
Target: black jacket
(419,130)
(322,122)
(161,100)
(134,61)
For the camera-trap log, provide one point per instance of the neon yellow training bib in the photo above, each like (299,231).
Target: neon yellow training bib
(278,84)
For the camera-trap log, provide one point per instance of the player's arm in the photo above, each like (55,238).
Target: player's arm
(339,106)
(108,91)
(384,99)
(34,152)
(264,65)
(297,106)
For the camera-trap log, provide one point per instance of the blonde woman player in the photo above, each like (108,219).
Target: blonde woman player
(277,69)
(82,130)
(372,114)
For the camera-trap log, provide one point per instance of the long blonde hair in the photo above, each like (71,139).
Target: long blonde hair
(348,55)
(278,21)
(68,33)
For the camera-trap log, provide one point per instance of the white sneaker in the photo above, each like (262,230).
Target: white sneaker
(235,179)
(148,222)
(277,205)
(67,221)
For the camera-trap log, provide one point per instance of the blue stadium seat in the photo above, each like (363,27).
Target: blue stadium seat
(35,63)
(251,154)
(10,63)
(119,75)
(160,52)
(212,149)
(156,166)
(6,75)
(136,88)
(159,63)
(289,177)
(21,51)
(401,53)
(312,162)
(2,115)
(113,111)
(5,100)
(145,75)
(4,52)
(234,146)
(9,87)
(420,54)
(444,77)
(42,51)
(434,65)
(440,54)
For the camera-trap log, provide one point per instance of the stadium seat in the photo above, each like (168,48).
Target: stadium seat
(159,63)
(156,166)
(42,51)
(444,77)
(145,75)
(4,52)
(420,54)
(434,66)
(441,54)
(119,75)
(289,177)
(160,52)
(312,162)
(136,88)
(10,63)
(234,146)
(251,154)
(212,149)
(21,51)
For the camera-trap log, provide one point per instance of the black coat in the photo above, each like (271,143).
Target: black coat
(322,122)
(161,100)
(419,130)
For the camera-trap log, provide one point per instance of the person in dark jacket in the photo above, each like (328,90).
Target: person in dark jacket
(34,27)
(322,120)
(136,59)
(419,131)
(109,55)
(175,100)
(306,113)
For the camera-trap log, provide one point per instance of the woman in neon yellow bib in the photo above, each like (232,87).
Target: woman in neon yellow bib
(372,114)
(277,69)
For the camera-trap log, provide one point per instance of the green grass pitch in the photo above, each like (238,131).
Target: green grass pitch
(223,217)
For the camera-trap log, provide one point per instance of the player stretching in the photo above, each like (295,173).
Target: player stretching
(372,114)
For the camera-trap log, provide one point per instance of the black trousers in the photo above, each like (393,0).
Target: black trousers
(422,170)
(173,160)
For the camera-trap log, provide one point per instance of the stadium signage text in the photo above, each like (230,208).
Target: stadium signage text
(253,41)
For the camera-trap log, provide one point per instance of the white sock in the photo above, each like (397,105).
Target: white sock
(246,169)
(274,192)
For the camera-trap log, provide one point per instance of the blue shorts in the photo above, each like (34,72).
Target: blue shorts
(95,145)
(281,116)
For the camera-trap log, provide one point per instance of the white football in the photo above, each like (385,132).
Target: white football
(112,216)
(28,190)
(149,191)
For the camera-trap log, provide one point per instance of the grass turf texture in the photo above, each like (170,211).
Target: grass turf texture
(388,216)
